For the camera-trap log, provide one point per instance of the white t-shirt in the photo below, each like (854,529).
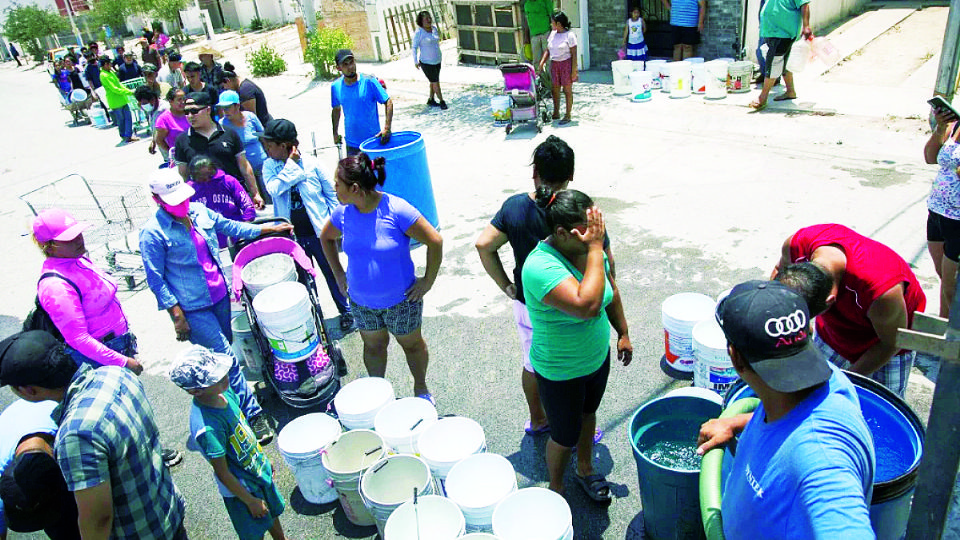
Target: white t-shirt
(559,44)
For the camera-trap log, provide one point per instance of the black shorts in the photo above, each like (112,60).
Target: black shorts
(685,35)
(778,52)
(946,230)
(432,71)
(565,402)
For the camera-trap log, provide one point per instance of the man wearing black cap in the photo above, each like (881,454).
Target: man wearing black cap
(357,96)
(172,72)
(206,137)
(108,444)
(33,495)
(804,463)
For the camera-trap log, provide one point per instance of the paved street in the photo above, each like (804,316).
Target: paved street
(698,196)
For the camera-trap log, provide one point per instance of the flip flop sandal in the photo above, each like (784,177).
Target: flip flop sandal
(784,97)
(593,486)
(528,429)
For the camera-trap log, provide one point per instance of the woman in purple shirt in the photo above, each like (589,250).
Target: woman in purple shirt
(171,123)
(386,297)
(219,192)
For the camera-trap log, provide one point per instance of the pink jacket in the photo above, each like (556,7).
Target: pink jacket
(83,323)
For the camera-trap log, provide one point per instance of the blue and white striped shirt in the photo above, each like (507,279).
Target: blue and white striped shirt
(684,13)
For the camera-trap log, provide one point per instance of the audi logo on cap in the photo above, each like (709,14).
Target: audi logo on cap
(785,326)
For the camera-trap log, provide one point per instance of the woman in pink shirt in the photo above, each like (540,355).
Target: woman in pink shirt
(171,123)
(80,298)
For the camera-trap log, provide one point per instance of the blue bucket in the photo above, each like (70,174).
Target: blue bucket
(898,446)
(670,496)
(408,175)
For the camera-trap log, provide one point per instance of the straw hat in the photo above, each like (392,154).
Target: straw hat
(206,49)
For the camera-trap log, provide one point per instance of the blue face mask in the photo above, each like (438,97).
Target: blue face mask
(147,108)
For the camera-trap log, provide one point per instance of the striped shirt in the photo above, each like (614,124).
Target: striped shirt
(684,13)
(108,434)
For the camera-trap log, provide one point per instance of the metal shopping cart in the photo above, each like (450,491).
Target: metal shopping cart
(115,212)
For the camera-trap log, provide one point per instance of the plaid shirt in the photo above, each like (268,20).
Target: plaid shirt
(107,433)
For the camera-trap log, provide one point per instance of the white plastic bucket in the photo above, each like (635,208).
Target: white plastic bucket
(680,313)
(401,422)
(641,83)
(621,76)
(449,441)
(244,344)
(500,108)
(434,517)
(694,59)
(300,443)
(713,368)
(286,318)
(665,77)
(345,460)
(716,79)
(478,484)
(359,402)
(267,270)
(739,77)
(680,82)
(533,514)
(698,84)
(98,116)
(638,65)
(696,392)
(78,94)
(390,483)
(653,66)
(478,536)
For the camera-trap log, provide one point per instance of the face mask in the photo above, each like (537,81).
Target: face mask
(179,211)
(148,108)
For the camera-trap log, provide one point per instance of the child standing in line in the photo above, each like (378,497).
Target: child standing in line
(633,36)
(243,473)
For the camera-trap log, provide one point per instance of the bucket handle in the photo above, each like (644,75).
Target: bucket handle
(380,466)
(417,423)
(373,450)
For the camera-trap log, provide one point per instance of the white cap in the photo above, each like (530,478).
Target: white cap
(170,187)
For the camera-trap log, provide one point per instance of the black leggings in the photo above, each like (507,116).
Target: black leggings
(565,402)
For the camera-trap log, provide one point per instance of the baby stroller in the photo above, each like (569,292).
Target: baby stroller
(310,382)
(527,96)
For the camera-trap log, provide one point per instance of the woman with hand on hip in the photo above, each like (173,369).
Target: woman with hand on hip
(426,42)
(572,300)
(385,295)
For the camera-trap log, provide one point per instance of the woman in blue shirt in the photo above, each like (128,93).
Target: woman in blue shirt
(386,297)
(426,42)
(246,125)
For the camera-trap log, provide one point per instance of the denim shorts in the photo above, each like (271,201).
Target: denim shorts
(399,319)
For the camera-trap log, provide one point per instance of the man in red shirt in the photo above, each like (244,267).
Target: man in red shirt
(861,292)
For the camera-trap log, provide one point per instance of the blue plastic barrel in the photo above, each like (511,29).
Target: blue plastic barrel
(408,175)
(898,446)
(670,496)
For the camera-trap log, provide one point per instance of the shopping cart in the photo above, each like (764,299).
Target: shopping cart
(115,211)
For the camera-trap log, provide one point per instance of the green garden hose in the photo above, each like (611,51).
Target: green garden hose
(710,477)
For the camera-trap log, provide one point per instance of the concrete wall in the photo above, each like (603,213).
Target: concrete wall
(721,30)
(352,17)
(605,24)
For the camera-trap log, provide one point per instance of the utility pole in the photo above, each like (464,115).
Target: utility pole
(73,23)
(949,55)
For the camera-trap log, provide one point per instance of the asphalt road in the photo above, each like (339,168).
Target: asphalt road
(698,196)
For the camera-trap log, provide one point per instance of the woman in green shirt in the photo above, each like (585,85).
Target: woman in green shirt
(572,300)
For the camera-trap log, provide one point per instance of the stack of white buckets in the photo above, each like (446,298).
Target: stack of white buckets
(414,475)
(694,342)
(679,79)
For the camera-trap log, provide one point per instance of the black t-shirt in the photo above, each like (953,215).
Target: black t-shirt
(249,90)
(222,146)
(92,73)
(75,79)
(525,226)
(302,227)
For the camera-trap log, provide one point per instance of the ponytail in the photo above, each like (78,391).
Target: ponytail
(360,170)
(379,166)
(564,208)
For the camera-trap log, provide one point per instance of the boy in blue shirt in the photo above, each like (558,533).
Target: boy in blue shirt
(242,471)
(357,97)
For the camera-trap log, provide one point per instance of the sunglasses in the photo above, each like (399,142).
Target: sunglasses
(194,111)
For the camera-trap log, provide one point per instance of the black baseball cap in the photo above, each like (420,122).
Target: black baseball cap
(342,55)
(278,129)
(199,99)
(769,325)
(174,57)
(35,358)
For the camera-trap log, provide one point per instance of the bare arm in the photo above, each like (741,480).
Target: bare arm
(666,3)
(626,33)
(328,242)
(388,114)
(95,509)
(619,322)
(583,299)
(490,241)
(249,105)
(888,313)
(183,170)
(250,180)
(255,506)
(702,16)
(720,431)
(335,118)
(422,231)
(574,72)
(937,138)
(543,60)
(160,138)
(805,13)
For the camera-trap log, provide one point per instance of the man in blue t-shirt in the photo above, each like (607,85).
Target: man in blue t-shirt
(358,95)
(804,464)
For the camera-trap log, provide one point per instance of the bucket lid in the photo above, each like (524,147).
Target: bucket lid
(434,517)
(512,517)
(688,308)
(450,440)
(267,269)
(280,297)
(308,434)
(480,480)
(363,396)
(707,334)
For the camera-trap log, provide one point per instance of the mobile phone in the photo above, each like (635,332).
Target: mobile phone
(940,105)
